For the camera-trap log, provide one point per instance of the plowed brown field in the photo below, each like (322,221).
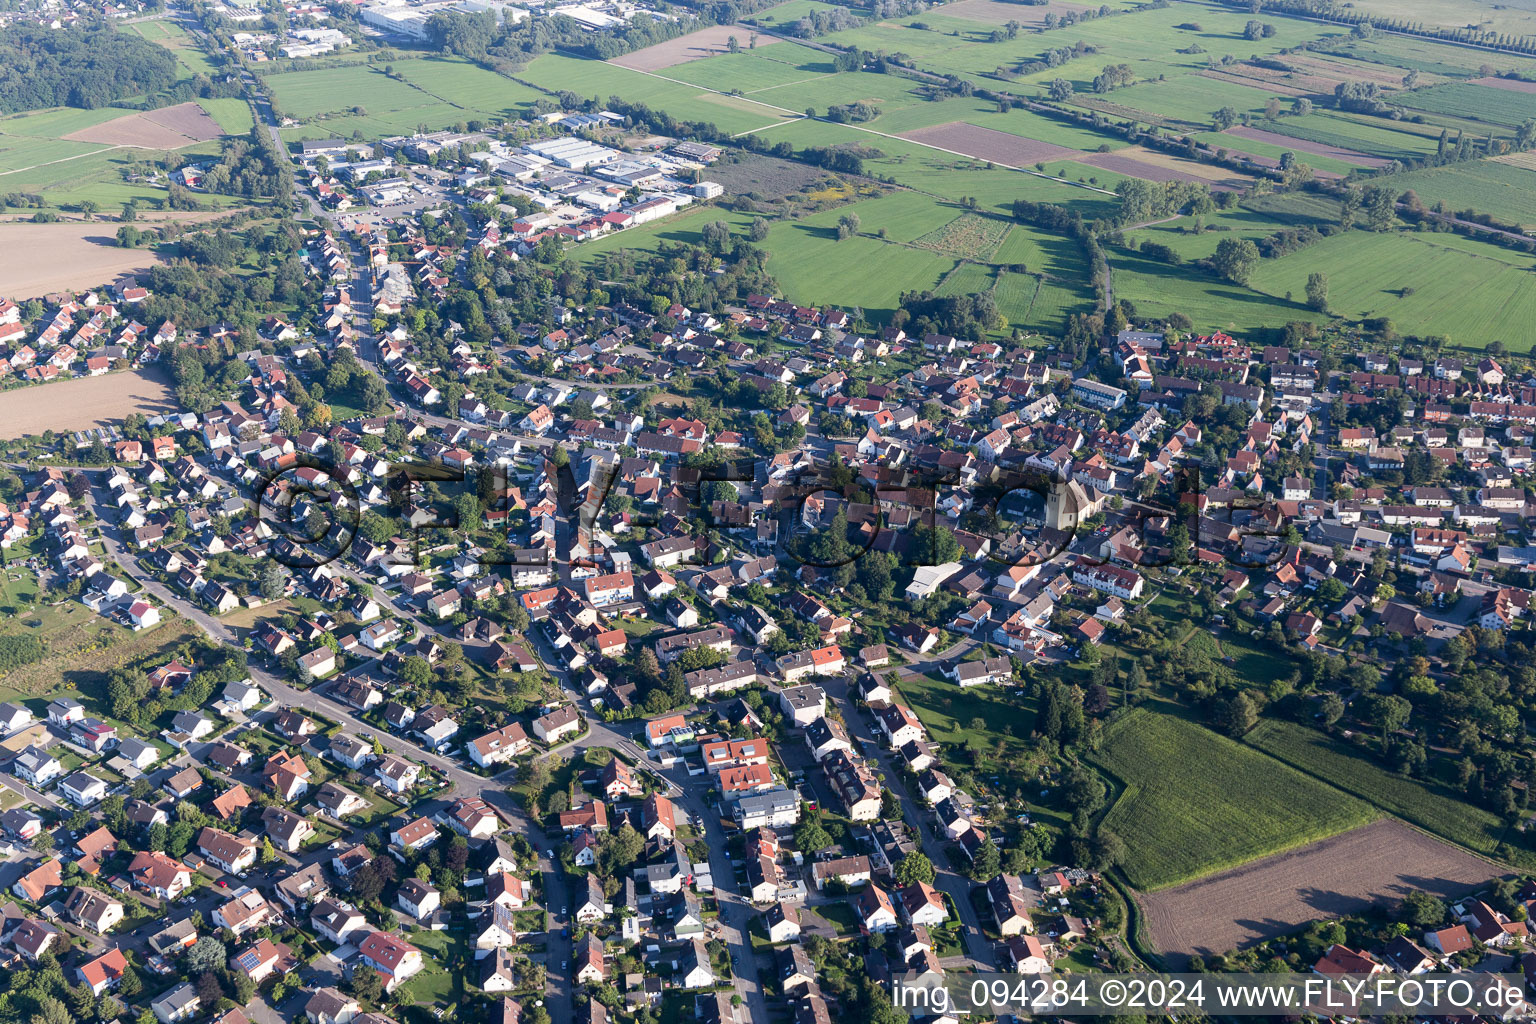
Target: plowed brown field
(1384,860)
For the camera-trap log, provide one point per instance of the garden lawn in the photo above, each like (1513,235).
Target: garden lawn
(948,711)
(1195,802)
(1430,806)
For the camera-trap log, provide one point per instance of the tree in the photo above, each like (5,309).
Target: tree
(1060,89)
(1235,259)
(847,226)
(367,985)
(207,954)
(1331,710)
(1301,106)
(1317,291)
(1380,208)
(811,837)
(415,672)
(1237,715)
(1423,910)
(1390,713)
(273,580)
(758,229)
(914,867)
(987,862)
(1224,118)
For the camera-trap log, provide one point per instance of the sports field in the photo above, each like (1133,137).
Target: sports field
(1194,802)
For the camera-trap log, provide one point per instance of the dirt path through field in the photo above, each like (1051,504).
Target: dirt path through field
(1384,860)
(68,405)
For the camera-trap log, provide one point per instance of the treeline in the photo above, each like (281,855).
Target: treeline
(87,66)
(1327,10)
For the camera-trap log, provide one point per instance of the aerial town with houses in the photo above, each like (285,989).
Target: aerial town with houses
(506,615)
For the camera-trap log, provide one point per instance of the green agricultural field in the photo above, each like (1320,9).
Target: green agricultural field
(1253,147)
(1429,56)
(232,113)
(1195,802)
(340,89)
(1158,289)
(1478,102)
(1054,303)
(1431,806)
(18,153)
(1014,294)
(1472,292)
(467,85)
(1192,98)
(818,92)
(1505,190)
(690,103)
(967,279)
(811,264)
(755,71)
(1373,138)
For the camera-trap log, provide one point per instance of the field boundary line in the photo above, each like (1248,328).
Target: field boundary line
(871,131)
(66,159)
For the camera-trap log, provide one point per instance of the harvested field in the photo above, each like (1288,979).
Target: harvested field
(1507,84)
(36,259)
(1526,160)
(992,12)
(1254,82)
(1344,71)
(84,402)
(1303,146)
(166,128)
(1154,166)
(987,144)
(706,42)
(1384,860)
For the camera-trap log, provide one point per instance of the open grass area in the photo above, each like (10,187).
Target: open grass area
(1373,137)
(82,648)
(1429,805)
(950,713)
(1195,802)
(1502,107)
(1190,98)
(191,57)
(555,71)
(1506,190)
(1472,292)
